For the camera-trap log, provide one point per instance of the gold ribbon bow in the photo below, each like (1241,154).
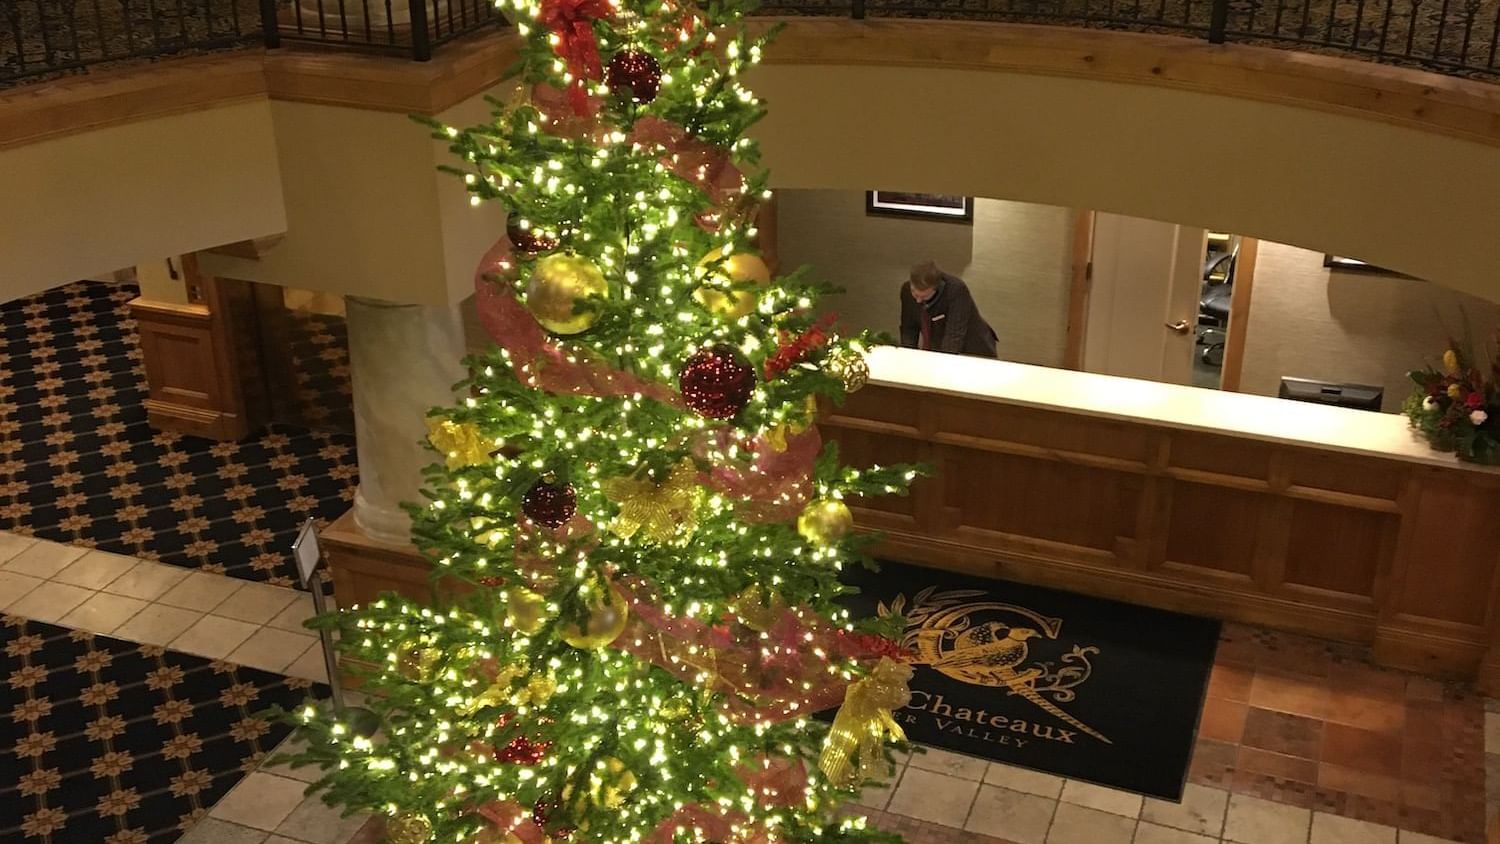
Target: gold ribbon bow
(461,443)
(663,513)
(859,731)
(777,436)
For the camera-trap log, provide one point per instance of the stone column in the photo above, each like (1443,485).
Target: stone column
(403,361)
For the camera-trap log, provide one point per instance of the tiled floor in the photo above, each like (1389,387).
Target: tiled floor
(1302,742)
(79,463)
(199,612)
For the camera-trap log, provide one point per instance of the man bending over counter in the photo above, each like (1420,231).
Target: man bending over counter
(938,314)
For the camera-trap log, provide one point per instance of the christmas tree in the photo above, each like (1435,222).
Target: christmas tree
(635,529)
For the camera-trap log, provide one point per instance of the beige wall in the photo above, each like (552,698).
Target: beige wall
(1418,202)
(1015,258)
(87,204)
(367,211)
(1307,321)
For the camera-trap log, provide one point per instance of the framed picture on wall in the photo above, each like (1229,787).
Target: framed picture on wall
(927,206)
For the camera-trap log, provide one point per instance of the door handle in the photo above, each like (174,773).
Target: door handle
(1181,326)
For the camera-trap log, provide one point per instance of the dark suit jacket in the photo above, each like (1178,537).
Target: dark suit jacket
(957,326)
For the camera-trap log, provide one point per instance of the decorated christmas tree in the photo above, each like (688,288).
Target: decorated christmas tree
(635,529)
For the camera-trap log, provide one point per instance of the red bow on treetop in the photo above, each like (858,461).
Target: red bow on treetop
(572,21)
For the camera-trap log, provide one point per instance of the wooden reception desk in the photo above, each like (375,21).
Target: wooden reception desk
(1334,522)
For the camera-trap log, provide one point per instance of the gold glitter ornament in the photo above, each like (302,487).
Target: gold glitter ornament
(408,828)
(417,663)
(608,784)
(663,513)
(850,367)
(825,521)
(460,443)
(607,614)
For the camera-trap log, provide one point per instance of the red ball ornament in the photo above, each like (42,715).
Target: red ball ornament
(634,74)
(716,382)
(549,504)
(525,239)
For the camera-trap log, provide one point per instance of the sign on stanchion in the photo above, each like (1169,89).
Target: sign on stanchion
(308,554)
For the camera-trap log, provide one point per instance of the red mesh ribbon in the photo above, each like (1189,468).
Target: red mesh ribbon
(572,21)
(539,362)
(700,163)
(559,118)
(784,675)
(776,484)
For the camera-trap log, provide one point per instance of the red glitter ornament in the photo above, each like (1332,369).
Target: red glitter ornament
(549,504)
(634,74)
(716,382)
(523,751)
(525,239)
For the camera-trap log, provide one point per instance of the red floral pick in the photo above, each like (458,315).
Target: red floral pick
(572,21)
(788,353)
(1474,401)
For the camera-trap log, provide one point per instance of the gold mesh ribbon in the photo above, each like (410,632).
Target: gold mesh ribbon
(663,513)
(857,739)
(461,443)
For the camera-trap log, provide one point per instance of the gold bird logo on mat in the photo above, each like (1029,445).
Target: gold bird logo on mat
(984,643)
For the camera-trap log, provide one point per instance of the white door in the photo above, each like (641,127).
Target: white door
(1143,300)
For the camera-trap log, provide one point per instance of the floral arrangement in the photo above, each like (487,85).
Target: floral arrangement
(1457,408)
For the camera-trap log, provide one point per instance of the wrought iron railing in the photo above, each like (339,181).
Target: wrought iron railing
(40,37)
(410,27)
(1460,37)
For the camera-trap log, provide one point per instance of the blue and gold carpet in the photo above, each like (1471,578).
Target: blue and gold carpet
(80,465)
(110,742)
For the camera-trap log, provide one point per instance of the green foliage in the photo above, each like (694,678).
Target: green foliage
(484,665)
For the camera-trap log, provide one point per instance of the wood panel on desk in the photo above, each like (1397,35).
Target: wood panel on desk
(1366,549)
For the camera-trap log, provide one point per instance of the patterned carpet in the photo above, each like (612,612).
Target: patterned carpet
(109,742)
(79,464)
(319,345)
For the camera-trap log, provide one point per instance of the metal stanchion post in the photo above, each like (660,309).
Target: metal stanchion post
(308,554)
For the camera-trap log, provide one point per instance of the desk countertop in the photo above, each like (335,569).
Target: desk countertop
(1263,418)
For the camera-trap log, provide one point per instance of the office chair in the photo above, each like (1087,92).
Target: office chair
(1213,305)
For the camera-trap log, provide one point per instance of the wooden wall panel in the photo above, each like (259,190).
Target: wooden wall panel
(1451,550)
(1224,455)
(1057,502)
(1214,528)
(862,449)
(1337,548)
(1352,475)
(1053,430)
(880,404)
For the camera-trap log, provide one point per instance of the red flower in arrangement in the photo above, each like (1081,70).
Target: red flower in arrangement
(1474,401)
(788,353)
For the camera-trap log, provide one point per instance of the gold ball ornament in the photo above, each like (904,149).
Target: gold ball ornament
(825,521)
(850,367)
(558,283)
(608,613)
(525,610)
(735,269)
(408,828)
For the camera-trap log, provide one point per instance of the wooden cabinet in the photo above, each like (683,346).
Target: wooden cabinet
(1383,551)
